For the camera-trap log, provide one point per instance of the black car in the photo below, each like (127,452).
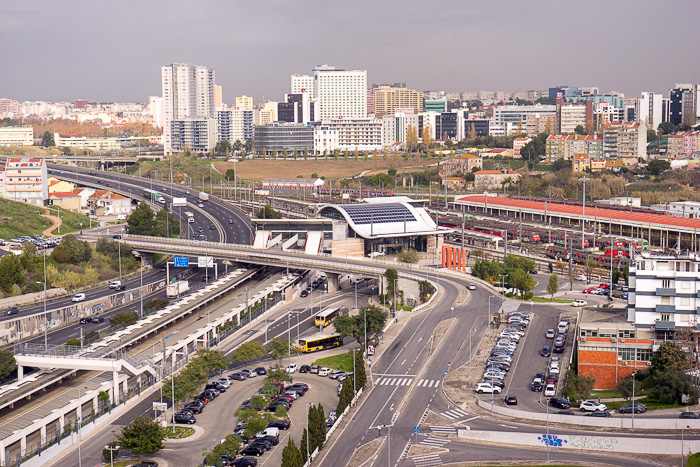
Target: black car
(599,413)
(636,407)
(263,443)
(185,418)
(253,450)
(565,412)
(261,371)
(195,407)
(273,439)
(212,227)
(304,369)
(546,351)
(303,386)
(85,320)
(119,288)
(281,424)
(511,400)
(304,293)
(146,464)
(689,415)
(13,310)
(273,407)
(215,386)
(245,462)
(536,387)
(559,402)
(97,319)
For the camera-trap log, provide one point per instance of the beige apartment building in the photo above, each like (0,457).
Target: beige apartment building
(389,100)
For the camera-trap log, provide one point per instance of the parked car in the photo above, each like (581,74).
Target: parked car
(636,407)
(599,413)
(304,369)
(324,371)
(239,376)
(511,400)
(592,406)
(195,407)
(578,303)
(688,415)
(245,462)
(487,387)
(314,369)
(336,374)
(261,371)
(280,424)
(250,373)
(560,403)
(185,417)
(546,351)
(292,368)
(550,390)
(303,386)
(253,451)
(549,334)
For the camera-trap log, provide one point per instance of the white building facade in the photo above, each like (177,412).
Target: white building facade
(649,109)
(363,134)
(339,93)
(26,180)
(17,136)
(234,125)
(193,133)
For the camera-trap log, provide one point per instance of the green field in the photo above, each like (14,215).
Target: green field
(650,403)
(17,219)
(70,221)
(338,362)
(547,300)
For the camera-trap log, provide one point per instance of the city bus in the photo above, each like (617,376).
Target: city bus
(189,216)
(326,317)
(320,342)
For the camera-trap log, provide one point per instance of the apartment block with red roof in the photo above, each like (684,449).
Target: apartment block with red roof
(106,203)
(494,179)
(26,180)
(565,146)
(518,144)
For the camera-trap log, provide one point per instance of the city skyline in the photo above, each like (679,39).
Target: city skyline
(113,52)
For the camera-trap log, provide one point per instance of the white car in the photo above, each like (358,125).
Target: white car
(581,277)
(578,303)
(471,287)
(200,205)
(292,368)
(554,369)
(324,371)
(487,388)
(550,390)
(592,406)
(79,297)
(550,334)
(492,374)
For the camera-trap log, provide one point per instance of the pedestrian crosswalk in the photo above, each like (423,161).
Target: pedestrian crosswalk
(422,383)
(434,442)
(443,430)
(454,414)
(427,461)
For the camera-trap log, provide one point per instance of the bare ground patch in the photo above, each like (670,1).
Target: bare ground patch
(418,450)
(365,453)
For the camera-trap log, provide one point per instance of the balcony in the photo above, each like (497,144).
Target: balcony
(665,292)
(665,308)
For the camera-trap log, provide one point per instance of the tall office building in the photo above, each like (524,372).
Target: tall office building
(303,84)
(389,100)
(339,93)
(650,109)
(683,106)
(188,92)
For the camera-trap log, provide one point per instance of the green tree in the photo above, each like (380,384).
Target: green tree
(381,180)
(76,251)
(487,270)
(248,351)
(408,256)
(222,148)
(550,266)
(391,276)
(229,446)
(140,221)
(521,280)
(355,325)
(125,318)
(624,387)
(669,357)
(47,139)
(166,225)
(230,174)
(391,171)
(666,128)
(143,437)
(346,395)
(317,426)
(360,373)
(651,135)
(579,387)
(256,424)
(657,166)
(11,272)
(579,130)
(8,365)
(278,349)
(553,285)
(519,262)
(305,445)
(277,374)
(267,212)
(291,455)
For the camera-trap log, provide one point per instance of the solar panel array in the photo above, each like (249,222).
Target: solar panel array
(378,213)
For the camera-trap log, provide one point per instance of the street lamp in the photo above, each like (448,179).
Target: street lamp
(488,318)
(77,421)
(111,453)
(682,447)
(470,355)
(452,312)
(46,325)
(634,407)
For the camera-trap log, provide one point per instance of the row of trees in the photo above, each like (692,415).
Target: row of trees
(194,375)
(143,221)
(516,270)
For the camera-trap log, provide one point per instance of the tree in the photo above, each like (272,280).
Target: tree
(166,225)
(553,285)
(651,135)
(140,221)
(248,352)
(408,256)
(8,365)
(589,265)
(230,174)
(669,357)
(305,445)
(255,424)
(73,342)
(391,276)
(579,387)
(624,387)
(521,280)
(411,138)
(277,374)
(360,373)
(381,180)
(125,318)
(222,148)
(391,171)
(317,427)
(71,250)
(229,446)
(47,139)
(550,266)
(658,166)
(291,455)
(579,130)
(355,325)
(142,436)
(346,395)
(267,212)
(11,272)
(278,349)
(666,128)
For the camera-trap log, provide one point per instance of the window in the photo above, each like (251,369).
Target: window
(666,283)
(626,334)
(644,355)
(625,354)
(665,317)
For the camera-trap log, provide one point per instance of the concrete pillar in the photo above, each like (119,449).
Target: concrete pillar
(20,372)
(95,406)
(43,433)
(23,444)
(333,282)
(125,387)
(3,461)
(115,387)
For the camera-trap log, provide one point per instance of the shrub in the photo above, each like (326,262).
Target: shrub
(155,304)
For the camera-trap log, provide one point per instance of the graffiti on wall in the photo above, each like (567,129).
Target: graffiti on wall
(594,443)
(551,440)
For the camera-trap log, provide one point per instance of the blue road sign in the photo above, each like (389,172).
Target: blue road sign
(415,430)
(445,371)
(181,262)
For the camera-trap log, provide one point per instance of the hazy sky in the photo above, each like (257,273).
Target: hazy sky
(112,50)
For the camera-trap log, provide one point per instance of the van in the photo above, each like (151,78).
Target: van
(115,284)
(563,326)
(270,431)
(79,297)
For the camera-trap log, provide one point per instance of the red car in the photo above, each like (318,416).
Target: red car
(589,289)
(604,286)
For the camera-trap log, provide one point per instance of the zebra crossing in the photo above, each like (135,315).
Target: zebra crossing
(443,430)
(434,442)
(422,383)
(429,460)
(454,414)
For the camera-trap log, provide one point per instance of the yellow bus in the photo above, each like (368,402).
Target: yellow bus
(327,316)
(320,342)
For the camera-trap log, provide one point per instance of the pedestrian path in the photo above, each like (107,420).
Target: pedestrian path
(443,430)
(434,442)
(427,461)
(454,414)
(422,383)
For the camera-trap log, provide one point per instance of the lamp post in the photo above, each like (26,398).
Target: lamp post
(111,453)
(141,288)
(452,312)
(634,374)
(470,355)
(488,318)
(682,447)
(46,325)
(583,214)
(547,440)
(394,287)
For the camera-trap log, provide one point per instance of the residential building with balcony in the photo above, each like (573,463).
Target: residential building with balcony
(565,146)
(106,203)
(625,141)
(26,180)
(518,144)
(683,144)
(462,163)
(363,134)
(389,100)
(17,136)
(494,179)
(194,133)
(234,125)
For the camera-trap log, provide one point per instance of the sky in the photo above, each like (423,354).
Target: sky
(112,51)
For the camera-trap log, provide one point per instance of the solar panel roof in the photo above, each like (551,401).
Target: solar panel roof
(378,213)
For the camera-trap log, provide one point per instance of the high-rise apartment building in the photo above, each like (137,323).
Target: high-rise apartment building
(188,92)
(244,102)
(303,84)
(218,97)
(388,100)
(26,180)
(155,108)
(683,105)
(625,141)
(338,93)
(234,125)
(649,109)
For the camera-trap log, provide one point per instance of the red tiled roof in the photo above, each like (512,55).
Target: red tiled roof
(64,194)
(591,212)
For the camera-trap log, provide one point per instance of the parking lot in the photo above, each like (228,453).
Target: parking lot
(218,419)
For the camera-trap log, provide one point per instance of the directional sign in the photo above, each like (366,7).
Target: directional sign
(160,406)
(415,430)
(445,371)
(181,262)
(205,262)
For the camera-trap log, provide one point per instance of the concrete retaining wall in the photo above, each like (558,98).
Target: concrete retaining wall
(582,420)
(31,297)
(612,443)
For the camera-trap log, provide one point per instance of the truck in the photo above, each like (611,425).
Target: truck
(179,201)
(203,196)
(177,288)
(154,196)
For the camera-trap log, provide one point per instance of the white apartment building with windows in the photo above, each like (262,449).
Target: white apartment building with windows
(17,136)
(26,180)
(188,91)
(234,125)
(649,109)
(339,93)
(194,133)
(303,84)
(363,134)
(663,291)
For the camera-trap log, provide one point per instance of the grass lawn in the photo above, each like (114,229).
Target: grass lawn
(70,221)
(180,432)
(18,219)
(131,462)
(547,300)
(406,308)
(650,403)
(337,362)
